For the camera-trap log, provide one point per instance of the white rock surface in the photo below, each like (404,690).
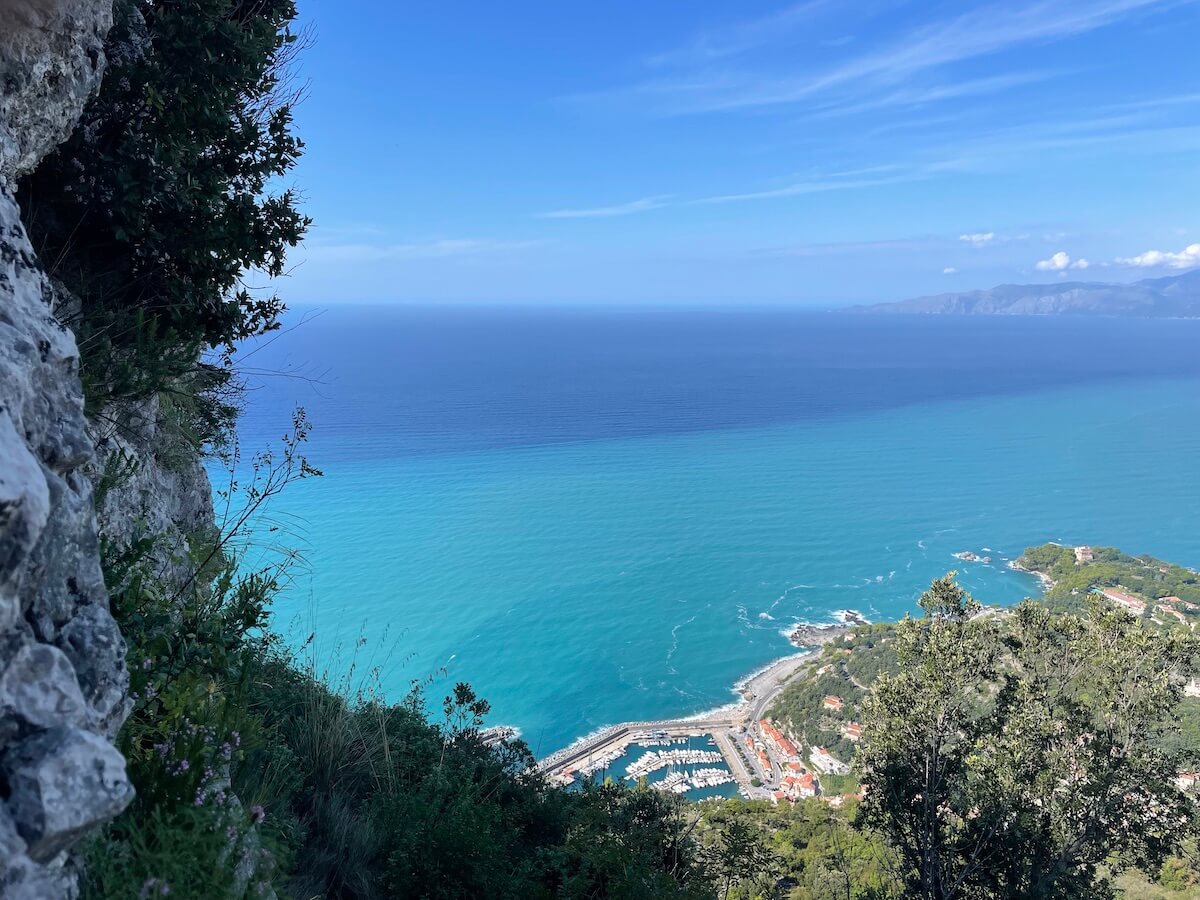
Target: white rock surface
(62,660)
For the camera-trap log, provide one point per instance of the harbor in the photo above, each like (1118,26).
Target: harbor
(732,749)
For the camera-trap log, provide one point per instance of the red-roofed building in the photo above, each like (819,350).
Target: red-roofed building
(1131,604)
(852,731)
(797,786)
(833,702)
(1174,612)
(781,742)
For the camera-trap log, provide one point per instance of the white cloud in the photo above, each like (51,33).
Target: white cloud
(1060,262)
(645,204)
(979,238)
(1056,263)
(949,270)
(1186,258)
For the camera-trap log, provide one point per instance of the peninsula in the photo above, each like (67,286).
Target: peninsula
(1172,296)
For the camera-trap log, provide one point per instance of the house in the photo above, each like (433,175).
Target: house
(833,702)
(1172,600)
(799,786)
(1084,555)
(1170,611)
(826,763)
(1131,604)
(1186,780)
(776,738)
(852,731)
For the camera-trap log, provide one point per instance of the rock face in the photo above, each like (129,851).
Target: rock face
(51,60)
(62,659)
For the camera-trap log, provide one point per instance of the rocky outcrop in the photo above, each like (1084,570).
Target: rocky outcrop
(62,659)
(51,61)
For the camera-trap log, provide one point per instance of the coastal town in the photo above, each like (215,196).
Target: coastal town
(761,751)
(737,745)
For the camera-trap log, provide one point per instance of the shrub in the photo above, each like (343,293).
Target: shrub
(163,198)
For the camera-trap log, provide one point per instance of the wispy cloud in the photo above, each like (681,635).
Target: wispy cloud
(949,270)
(835,181)
(443,248)
(1187,258)
(978,238)
(645,204)
(857,79)
(740,37)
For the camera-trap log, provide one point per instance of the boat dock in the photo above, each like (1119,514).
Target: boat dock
(724,726)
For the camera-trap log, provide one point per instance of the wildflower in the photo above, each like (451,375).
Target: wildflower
(257,814)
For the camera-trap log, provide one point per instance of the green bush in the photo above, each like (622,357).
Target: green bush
(165,196)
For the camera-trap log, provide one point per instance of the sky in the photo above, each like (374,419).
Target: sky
(813,153)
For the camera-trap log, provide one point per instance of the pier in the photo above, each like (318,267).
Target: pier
(726,726)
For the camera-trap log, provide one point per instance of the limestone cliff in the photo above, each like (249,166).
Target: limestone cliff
(62,660)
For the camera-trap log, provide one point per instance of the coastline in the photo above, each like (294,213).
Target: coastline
(755,691)
(1046,580)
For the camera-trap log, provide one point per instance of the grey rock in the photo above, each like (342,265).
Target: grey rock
(62,783)
(93,643)
(24,509)
(38,690)
(62,674)
(26,880)
(10,842)
(51,61)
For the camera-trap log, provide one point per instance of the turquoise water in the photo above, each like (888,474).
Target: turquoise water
(581,581)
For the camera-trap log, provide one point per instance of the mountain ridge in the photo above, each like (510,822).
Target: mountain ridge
(1171,296)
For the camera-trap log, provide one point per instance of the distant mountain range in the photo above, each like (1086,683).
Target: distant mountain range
(1175,296)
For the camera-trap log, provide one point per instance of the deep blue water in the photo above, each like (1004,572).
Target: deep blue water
(595,516)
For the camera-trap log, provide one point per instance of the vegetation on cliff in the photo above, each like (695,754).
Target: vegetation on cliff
(163,200)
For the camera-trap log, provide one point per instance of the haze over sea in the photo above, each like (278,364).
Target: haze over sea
(596,516)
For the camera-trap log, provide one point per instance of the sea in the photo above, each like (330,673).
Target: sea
(599,515)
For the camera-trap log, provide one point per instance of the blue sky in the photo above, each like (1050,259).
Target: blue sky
(817,152)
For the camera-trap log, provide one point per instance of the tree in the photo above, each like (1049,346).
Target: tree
(736,855)
(1012,755)
(165,196)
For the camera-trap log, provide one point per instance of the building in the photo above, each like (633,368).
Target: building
(826,763)
(1084,555)
(852,731)
(1185,781)
(1171,611)
(797,787)
(776,738)
(1135,606)
(834,703)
